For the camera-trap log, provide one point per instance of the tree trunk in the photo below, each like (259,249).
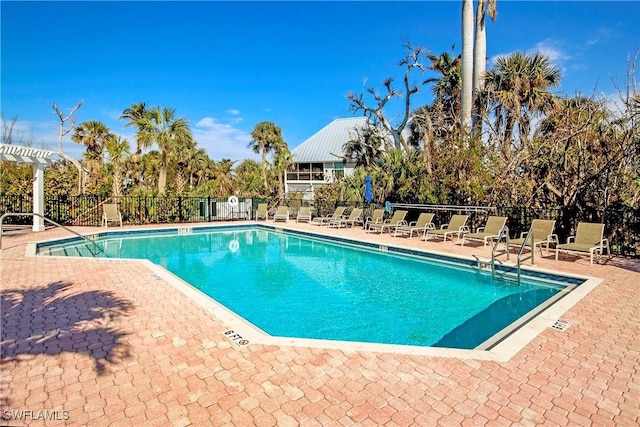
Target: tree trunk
(479,64)
(162,180)
(467,65)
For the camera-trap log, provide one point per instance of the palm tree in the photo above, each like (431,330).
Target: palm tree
(282,162)
(93,134)
(517,87)
(480,56)
(248,178)
(180,155)
(136,116)
(162,127)
(266,136)
(118,149)
(366,147)
(223,174)
(467,64)
(198,167)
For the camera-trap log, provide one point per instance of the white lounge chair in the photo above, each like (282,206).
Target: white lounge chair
(282,214)
(261,213)
(111,213)
(304,214)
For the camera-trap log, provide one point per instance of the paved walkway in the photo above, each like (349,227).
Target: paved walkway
(105,343)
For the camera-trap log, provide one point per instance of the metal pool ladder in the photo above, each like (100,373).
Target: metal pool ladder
(496,252)
(95,246)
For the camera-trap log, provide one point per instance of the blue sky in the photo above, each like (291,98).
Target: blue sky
(225,66)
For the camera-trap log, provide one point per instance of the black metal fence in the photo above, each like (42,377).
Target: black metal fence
(87,210)
(622,223)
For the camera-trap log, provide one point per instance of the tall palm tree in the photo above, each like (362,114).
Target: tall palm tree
(266,136)
(467,64)
(136,116)
(366,147)
(282,162)
(93,134)
(167,131)
(180,156)
(198,167)
(485,7)
(248,178)
(118,150)
(517,87)
(223,174)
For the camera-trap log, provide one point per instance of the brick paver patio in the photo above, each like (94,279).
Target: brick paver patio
(108,343)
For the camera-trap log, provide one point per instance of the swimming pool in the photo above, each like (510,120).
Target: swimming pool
(295,284)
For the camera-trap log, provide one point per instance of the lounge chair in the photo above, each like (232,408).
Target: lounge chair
(490,231)
(111,213)
(424,222)
(262,211)
(589,239)
(354,217)
(542,233)
(304,214)
(282,214)
(322,220)
(391,224)
(457,225)
(376,218)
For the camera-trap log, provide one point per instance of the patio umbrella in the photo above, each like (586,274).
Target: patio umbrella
(368,196)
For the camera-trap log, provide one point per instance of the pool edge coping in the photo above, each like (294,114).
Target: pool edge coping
(503,351)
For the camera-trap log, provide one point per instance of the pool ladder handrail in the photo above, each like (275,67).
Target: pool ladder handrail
(529,238)
(495,252)
(8,214)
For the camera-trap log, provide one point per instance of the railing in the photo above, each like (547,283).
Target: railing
(504,234)
(622,222)
(531,240)
(95,246)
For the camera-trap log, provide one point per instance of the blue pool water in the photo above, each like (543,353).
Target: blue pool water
(297,286)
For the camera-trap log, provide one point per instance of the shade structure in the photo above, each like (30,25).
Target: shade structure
(368,196)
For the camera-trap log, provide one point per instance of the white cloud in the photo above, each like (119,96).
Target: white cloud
(234,112)
(551,50)
(220,139)
(223,140)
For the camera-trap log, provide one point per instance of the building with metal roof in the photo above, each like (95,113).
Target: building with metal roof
(320,159)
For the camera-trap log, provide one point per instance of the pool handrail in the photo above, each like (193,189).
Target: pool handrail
(95,246)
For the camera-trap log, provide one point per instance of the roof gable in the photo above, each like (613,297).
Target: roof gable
(326,144)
